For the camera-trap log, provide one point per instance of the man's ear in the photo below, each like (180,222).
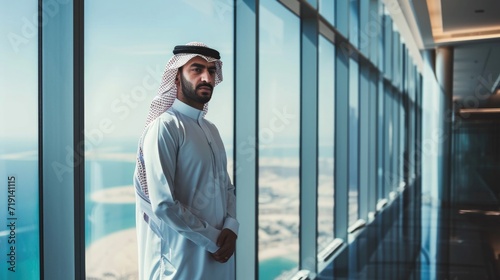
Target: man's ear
(177,78)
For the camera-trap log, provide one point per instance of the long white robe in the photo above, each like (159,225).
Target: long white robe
(190,193)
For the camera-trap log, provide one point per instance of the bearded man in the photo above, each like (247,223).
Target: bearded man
(186,213)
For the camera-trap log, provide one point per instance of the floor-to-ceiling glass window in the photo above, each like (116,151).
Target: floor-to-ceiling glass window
(19,207)
(326,143)
(278,132)
(127,45)
(353,141)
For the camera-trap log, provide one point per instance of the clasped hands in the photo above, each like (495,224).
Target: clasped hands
(227,244)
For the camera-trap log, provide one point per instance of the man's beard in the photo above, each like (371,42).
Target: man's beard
(189,91)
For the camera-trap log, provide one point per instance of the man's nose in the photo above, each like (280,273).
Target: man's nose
(206,77)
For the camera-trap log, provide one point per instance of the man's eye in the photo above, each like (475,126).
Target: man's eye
(211,71)
(197,70)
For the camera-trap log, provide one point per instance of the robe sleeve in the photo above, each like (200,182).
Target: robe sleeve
(230,221)
(160,147)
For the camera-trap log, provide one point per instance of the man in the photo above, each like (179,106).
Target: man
(185,216)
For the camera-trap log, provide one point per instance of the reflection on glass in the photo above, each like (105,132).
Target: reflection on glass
(279,108)
(353,140)
(476,161)
(124,62)
(325,143)
(19,226)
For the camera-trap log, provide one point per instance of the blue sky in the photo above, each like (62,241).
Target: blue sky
(127,43)
(18,71)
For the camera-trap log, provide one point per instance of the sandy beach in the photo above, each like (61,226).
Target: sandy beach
(113,257)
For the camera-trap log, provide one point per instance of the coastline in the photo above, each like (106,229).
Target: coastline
(290,253)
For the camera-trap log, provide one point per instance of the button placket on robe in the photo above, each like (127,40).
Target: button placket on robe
(214,149)
(210,140)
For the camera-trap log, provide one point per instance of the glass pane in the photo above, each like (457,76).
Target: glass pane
(374,28)
(354,22)
(403,134)
(387,47)
(388,141)
(124,63)
(327,10)
(396,142)
(476,158)
(353,140)
(326,121)
(380,140)
(19,208)
(279,122)
(342,10)
(367,27)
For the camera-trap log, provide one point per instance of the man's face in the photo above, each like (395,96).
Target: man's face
(196,81)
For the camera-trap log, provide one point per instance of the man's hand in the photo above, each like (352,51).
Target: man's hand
(227,243)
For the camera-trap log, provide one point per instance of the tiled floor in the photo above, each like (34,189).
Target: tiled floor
(410,239)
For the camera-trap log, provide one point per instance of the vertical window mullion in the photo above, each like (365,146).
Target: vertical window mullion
(364,111)
(341,174)
(79,137)
(245,130)
(372,167)
(341,142)
(58,144)
(380,138)
(308,139)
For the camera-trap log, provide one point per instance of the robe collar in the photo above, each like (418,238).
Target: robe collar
(187,110)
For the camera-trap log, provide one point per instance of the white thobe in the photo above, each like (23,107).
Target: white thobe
(191,195)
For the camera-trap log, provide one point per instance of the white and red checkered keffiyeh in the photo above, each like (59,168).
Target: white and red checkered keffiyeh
(167,93)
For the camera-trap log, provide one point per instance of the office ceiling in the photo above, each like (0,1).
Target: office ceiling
(463,15)
(472,27)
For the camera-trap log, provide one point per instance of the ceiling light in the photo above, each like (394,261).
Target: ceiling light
(480,111)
